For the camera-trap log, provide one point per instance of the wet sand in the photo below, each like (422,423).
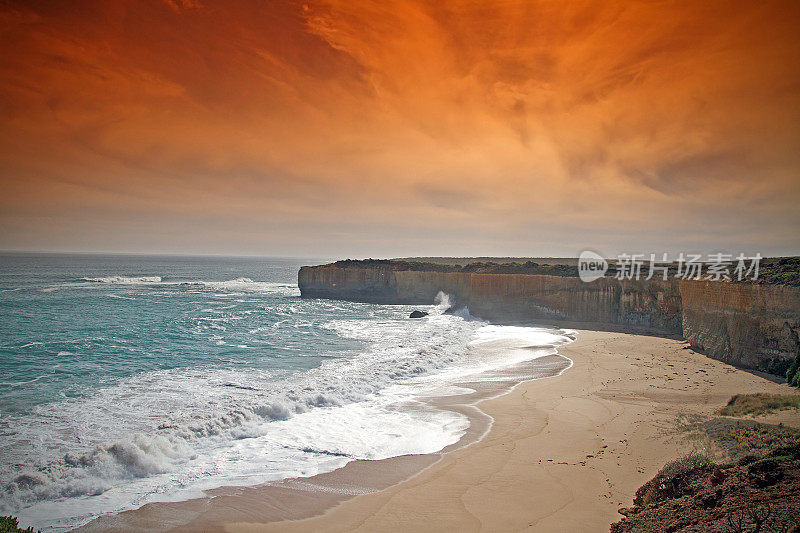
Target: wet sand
(552,454)
(294,499)
(563,453)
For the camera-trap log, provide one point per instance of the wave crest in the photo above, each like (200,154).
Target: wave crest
(125,280)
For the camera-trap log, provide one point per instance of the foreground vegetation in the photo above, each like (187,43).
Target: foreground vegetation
(9,524)
(756,489)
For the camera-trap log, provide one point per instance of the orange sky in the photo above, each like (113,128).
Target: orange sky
(386,128)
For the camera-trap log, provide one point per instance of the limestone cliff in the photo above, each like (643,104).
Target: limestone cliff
(741,323)
(744,324)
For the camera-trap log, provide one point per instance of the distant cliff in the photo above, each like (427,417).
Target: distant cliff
(749,325)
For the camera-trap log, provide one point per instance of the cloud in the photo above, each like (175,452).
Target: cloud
(180,5)
(540,127)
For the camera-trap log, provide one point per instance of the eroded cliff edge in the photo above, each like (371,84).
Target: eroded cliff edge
(749,325)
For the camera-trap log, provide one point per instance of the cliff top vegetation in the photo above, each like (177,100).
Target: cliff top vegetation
(772,271)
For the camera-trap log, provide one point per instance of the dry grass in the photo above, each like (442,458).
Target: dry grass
(758,404)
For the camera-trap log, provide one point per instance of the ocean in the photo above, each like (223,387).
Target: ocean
(129,379)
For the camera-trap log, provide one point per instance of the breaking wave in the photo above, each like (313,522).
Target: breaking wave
(183,430)
(245,285)
(241,284)
(125,280)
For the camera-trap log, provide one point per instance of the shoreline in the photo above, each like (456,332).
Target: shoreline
(557,453)
(561,453)
(305,497)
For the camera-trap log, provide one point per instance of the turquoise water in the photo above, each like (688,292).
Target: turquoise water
(132,379)
(70,327)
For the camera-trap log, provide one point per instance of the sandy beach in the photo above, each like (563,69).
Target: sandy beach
(563,453)
(559,453)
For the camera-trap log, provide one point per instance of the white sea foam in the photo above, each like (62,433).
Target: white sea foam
(17,383)
(532,336)
(238,285)
(246,285)
(126,280)
(118,297)
(170,434)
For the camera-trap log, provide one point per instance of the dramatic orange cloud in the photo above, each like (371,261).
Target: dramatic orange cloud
(347,127)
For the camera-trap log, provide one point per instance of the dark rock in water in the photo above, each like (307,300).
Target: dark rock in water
(417,314)
(450,310)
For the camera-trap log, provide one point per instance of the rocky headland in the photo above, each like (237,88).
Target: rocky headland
(749,324)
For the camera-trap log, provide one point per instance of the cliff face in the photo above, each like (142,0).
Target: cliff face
(653,305)
(739,323)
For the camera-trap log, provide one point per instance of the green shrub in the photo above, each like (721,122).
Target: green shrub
(9,524)
(777,366)
(793,372)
